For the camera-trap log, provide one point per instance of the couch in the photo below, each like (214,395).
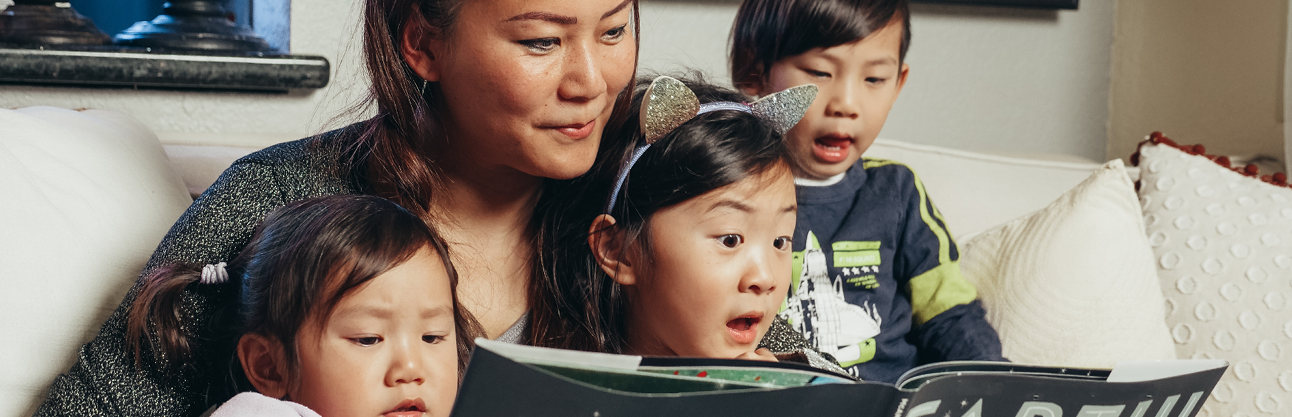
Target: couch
(1077,266)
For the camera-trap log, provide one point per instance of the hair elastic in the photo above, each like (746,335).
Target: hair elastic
(214,274)
(668,103)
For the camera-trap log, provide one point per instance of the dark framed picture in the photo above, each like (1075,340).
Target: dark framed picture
(1036,4)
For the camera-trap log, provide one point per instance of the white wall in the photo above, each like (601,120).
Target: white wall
(984,79)
(319,27)
(1200,71)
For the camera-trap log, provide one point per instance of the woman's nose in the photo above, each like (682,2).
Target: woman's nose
(583,80)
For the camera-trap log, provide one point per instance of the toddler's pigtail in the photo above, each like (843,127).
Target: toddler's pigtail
(156,316)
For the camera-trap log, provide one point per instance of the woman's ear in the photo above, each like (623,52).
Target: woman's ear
(606,241)
(420,44)
(265,364)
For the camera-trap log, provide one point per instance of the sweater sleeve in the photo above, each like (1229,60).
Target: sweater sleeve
(948,323)
(104,381)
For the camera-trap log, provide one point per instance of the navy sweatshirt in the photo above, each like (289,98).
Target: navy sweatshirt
(876,279)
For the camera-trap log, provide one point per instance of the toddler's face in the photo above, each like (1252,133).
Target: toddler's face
(719,270)
(859,82)
(388,348)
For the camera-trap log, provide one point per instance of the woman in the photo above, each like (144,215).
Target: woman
(478,102)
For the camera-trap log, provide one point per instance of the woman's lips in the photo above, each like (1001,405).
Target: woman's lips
(744,329)
(407,408)
(577,131)
(832,148)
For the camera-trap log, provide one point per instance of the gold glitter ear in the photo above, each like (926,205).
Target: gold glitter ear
(668,104)
(783,110)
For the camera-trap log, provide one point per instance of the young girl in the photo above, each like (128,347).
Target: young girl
(346,305)
(690,253)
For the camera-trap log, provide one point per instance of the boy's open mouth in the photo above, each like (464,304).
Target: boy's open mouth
(832,148)
(407,408)
(744,329)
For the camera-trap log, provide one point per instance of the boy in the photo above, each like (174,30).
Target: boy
(876,275)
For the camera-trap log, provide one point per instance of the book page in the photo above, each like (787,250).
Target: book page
(1136,371)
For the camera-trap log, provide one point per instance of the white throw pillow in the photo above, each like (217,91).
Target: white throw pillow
(1073,284)
(1223,243)
(84,199)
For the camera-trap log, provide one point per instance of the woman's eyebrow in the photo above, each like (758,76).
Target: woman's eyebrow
(550,17)
(617,9)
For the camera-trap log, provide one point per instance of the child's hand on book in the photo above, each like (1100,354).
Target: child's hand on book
(762,354)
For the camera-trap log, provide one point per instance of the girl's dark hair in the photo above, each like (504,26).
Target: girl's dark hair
(304,258)
(709,152)
(394,150)
(767,31)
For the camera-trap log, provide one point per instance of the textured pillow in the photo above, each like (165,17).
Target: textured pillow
(1073,284)
(84,199)
(1223,243)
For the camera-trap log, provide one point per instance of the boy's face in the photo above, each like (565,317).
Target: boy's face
(719,270)
(858,82)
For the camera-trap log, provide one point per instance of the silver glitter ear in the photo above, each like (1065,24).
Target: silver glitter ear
(783,110)
(668,103)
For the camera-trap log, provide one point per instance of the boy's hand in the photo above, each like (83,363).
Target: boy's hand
(763,354)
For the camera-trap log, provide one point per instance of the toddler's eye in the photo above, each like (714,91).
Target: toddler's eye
(432,339)
(782,242)
(731,241)
(366,341)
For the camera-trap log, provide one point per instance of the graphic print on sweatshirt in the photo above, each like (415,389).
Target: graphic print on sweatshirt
(817,308)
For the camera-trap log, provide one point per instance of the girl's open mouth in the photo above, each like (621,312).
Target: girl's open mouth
(744,329)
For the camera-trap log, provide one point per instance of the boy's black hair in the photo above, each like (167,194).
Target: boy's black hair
(709,152)
(767,31)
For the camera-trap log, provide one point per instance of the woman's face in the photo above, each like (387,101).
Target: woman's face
(528,85)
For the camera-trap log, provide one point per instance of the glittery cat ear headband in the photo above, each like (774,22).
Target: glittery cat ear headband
(669,103)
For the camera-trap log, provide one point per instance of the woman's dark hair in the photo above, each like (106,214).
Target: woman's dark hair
(304,258)
(767,31)
(709,152)
(394,150)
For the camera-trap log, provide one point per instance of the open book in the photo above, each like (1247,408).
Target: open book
(512,380)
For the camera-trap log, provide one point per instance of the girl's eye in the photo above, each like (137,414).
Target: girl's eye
(876,80)
(366,341)
(432,339)
(543,45)
(782,242)
(731,241)
(614,35)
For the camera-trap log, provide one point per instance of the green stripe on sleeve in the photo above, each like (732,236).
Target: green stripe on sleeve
(938,290)
(944,241)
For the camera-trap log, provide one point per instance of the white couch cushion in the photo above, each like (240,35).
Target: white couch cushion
(977,191)
(1074,284)
(1223,243)
(85,196)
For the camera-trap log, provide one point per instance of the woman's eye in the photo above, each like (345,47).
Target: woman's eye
(432,339)
(366,341)
(782,242)
(614,35)
(731,241)
(543,45)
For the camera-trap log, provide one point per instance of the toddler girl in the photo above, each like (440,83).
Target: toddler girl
(347,307)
